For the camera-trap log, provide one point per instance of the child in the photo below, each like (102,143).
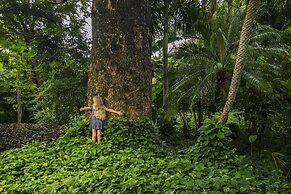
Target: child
(98,115)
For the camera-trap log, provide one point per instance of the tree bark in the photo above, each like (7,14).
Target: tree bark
(165,55)
(199,113)
(18,99)
(120,71)
(240,58)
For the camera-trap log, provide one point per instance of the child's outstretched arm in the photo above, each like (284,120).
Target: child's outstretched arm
(85,108)
(114,111)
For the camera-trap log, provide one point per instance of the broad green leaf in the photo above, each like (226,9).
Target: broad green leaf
(288,29)
(253,138)
(220,134)
(287,84)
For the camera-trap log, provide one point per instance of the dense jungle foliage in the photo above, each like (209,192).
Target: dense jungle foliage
(45,59)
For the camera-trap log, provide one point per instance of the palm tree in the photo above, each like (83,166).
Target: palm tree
(204,64)
(170,23)
(240,58)
(205,61)
(165,16)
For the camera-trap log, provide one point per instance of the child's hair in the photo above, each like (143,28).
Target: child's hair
(98,107)
(99,102)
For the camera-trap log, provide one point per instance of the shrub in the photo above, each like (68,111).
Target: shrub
(213,143)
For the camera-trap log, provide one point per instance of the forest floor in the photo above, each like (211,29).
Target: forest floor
(11,137)
(130,159)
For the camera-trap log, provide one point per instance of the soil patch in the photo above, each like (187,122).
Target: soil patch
(11,137)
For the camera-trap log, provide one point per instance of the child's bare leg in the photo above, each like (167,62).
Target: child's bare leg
(93,136)
(99,136)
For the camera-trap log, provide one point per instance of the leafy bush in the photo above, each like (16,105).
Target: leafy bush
(129,160)
(213,143)
(62,94)
(122,134)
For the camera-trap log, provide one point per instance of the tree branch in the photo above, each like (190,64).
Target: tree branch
(57,1)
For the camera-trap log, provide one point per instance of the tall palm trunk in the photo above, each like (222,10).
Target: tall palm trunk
(120,71)
(241,57)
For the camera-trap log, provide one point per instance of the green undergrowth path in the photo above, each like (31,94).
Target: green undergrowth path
(130,159)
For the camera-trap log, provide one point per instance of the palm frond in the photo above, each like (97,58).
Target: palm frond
(235,24)
(193,48)
(258,82)
(267,50)
(264,36)
(194,87)
(185,80)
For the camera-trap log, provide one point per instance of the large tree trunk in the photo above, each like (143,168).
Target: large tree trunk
(120,71)
(240,58)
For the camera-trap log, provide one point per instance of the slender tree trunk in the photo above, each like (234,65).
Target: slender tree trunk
(241,57)
(165,55)
(199,112)
(18,99)
(120,71)
(34,73)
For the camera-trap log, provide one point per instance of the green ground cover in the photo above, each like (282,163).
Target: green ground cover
(131,159)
